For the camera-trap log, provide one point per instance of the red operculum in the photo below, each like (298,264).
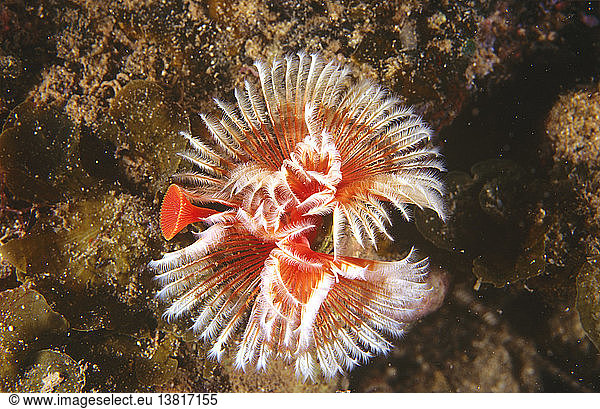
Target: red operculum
(177,212)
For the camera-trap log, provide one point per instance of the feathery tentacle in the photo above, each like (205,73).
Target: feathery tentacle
(302,145)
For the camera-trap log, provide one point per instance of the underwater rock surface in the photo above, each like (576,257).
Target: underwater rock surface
(573,128)
(25,317)
(495,220)
(94,93)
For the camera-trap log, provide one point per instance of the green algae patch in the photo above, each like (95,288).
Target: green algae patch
(588,301)
(86,254)
(39,155)
(147,135)
(52,371)
(494,221)
(25,316)
(160,367)
(123,363)
(89,241)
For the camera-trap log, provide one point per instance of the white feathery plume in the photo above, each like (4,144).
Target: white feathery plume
(302,145)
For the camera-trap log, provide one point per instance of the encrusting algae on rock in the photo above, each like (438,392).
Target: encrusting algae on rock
(306,149)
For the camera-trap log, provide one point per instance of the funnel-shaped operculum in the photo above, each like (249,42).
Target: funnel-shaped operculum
(177,212)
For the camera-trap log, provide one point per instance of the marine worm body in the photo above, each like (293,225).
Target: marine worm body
(304,149)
